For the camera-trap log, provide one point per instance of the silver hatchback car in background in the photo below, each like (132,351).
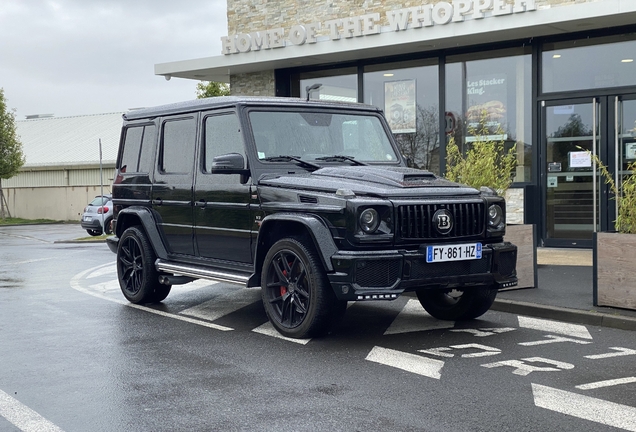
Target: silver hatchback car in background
(97,214)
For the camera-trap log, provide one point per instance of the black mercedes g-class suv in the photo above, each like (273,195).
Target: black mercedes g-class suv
(310,200)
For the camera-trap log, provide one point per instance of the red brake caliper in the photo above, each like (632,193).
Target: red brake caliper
(283,290)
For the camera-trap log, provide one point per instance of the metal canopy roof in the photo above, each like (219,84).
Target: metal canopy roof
(543,22)
(69,141)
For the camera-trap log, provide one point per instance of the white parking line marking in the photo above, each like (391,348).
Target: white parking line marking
(554,339)
(106,270)
(574,330)
(485,332)
(23,417)
(606,383)
(442,352)
(485,350)
(268,329)
(76,286)
(34,260)
(223,303)
(413,318)
(523,368)
(621,352)
(406,361)
(104,287)
(585,407)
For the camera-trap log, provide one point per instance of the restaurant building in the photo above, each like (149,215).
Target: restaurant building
(556,78)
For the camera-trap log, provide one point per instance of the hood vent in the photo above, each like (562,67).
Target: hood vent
(307,199)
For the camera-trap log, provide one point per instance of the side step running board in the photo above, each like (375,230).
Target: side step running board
(201,272)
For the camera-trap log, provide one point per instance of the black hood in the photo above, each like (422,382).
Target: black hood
(370,180)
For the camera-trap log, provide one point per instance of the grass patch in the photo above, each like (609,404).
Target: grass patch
(94,238)
(20,221)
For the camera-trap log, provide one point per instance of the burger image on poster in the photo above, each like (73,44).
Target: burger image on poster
(397,113)
(494,110)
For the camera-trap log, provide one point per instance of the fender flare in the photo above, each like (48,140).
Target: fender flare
(318,231)
(149,224)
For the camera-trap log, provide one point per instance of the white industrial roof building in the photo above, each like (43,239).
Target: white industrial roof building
(62,170)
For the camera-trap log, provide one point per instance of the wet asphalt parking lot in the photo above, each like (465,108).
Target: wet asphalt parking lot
(75,356)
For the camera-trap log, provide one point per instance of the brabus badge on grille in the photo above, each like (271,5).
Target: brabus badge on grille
(443,221)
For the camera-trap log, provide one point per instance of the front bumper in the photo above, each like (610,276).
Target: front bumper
(384,275)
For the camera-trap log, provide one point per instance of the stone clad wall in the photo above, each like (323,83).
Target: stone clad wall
(245,16)
(253,84)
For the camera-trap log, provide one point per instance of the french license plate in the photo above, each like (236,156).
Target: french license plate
(88,218)
(444,253)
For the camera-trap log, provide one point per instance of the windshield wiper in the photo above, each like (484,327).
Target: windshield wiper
(340,158)
(287,158)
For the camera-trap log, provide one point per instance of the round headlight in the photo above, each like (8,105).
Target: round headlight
(495,215)
(369,220)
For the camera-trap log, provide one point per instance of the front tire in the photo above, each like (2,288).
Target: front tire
(297,295)
(456,305)
(138,277)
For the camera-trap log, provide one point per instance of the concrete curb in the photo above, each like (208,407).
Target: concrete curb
(574,316)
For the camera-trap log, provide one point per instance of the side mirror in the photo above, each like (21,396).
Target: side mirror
(231,163)
(228,162)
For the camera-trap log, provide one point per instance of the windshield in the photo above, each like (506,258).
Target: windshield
(316,135)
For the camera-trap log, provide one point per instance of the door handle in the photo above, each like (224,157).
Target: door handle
(200,203)
(157,201)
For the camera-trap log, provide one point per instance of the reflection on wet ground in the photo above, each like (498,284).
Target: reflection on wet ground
(8,282)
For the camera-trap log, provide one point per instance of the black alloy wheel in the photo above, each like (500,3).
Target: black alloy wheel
(297,296)
(138,278)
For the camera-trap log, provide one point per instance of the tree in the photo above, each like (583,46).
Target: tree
(206,89)
(420,145)
(11,156)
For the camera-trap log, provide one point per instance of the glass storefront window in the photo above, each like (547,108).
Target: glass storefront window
(589,64)
(408,92)
(335,84)
(492,90)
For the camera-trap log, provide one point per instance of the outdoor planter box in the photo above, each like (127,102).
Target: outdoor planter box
(615,270)
(523,236)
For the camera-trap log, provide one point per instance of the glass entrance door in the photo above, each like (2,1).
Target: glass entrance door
(572,134)
(576,200)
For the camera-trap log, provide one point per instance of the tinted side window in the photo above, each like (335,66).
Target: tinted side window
(147,148)
(177,148)
(138,149)
(222,136)
(132,146)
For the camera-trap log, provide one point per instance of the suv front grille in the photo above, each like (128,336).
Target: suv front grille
(415,221)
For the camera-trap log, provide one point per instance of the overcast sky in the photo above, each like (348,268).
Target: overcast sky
(75,57)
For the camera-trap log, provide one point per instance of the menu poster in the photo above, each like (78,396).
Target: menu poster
(486,97)
(399,105)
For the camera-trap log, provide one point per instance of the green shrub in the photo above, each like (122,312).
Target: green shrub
(486,163)
(625,196)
